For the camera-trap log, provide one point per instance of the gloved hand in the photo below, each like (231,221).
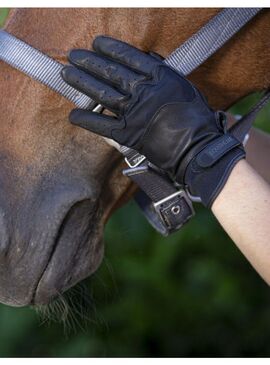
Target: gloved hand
(158,112)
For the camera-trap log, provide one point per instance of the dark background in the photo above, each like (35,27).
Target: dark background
(192,294)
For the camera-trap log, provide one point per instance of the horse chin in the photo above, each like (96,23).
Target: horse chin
(77,252)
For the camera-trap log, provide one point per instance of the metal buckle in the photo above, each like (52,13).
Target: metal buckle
(174,210)
(132,157)
(135,160)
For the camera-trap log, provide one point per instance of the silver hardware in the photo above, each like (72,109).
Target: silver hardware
(132,157)
(136,161)
(98,109)
(170,197)
(176,209)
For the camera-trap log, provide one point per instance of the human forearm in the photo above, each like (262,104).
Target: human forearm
(243,208)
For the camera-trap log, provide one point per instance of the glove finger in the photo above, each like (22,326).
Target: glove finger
(126,54)
(99,91)
(114,73)
(97,123)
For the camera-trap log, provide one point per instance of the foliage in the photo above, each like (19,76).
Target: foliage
(3,15)
(192,294)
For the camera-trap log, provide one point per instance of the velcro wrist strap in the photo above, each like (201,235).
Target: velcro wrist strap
(209,170)
(216,149)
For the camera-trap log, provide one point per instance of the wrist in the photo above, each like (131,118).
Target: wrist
(233,185)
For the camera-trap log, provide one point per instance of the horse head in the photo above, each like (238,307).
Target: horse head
(59,183)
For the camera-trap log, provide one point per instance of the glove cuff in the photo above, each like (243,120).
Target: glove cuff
(209,170)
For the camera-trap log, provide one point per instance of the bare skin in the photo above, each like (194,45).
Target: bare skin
(243,205)
(243,208)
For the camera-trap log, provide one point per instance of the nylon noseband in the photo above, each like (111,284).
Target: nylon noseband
(166,206)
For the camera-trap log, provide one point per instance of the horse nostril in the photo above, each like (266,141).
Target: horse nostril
(4,236)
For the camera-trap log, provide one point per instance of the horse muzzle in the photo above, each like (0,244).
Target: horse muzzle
(52,244)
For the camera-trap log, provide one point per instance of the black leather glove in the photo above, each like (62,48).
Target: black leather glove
(159,113)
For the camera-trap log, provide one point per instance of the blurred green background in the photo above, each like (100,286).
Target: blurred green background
(192,294)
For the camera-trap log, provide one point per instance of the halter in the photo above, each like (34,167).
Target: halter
(166,206)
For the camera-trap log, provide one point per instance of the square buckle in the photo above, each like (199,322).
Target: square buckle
(174,210)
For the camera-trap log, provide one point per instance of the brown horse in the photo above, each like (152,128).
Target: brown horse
(59,183)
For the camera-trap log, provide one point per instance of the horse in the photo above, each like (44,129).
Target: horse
(59,183)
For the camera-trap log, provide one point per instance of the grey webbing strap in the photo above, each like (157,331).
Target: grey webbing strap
(185,59)
(212,36)
(40,67)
